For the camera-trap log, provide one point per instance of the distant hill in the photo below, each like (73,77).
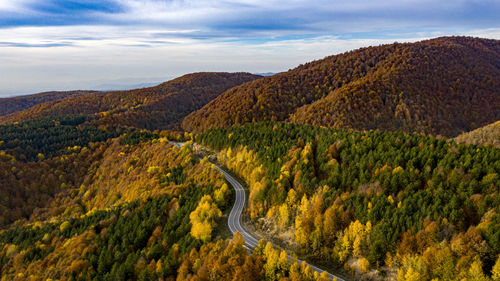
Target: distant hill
(158,107)
(266,74)
(487,135)
(13,104)
(443,86)
(124,87)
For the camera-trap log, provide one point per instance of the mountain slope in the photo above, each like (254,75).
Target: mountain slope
(441,86)
(130,208)
(156,107)
(487,135)
(11,105)
(132,200)
(340,197)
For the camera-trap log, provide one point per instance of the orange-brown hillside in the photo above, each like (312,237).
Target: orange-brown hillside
(443,86)
(156,107)
(11,105)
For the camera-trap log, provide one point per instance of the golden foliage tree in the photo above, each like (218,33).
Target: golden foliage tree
(203,218)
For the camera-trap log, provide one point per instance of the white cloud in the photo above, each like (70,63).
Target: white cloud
(114,52)
(114,55)
(16,6)
(493,33)
(157,38)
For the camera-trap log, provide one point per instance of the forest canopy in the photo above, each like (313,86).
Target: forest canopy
(385,198)
(442,86)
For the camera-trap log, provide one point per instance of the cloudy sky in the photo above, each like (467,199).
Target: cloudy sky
(78,44)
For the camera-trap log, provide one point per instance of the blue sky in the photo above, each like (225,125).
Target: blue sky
(77,44)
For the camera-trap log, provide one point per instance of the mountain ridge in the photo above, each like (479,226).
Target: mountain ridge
(427,81)
(157,107)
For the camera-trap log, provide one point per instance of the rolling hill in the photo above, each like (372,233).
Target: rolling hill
(11,105)
(85,195)
(158,107)
(443,86)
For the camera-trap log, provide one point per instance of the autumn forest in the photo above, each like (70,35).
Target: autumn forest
(381,163)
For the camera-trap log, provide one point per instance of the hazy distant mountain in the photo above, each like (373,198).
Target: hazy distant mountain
(441,86)
(266,74)
(20,102)
(129,83)
(119,87)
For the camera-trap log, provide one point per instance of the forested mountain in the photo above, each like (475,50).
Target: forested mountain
(91,187)
(444,86)
(406,206)
(487,135)
(157,107)
(10,105)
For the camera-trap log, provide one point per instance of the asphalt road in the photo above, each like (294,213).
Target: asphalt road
(234,220)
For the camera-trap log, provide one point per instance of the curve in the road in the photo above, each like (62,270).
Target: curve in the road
(234,220)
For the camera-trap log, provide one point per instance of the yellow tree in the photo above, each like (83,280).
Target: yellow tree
(283,264)
(284,215)
(495,272)
(203,218)
(303,221)
(272,258)
(476,271)
(331,223)
(364,265)
(354,240)
(324,276)
(413,268)
(410,275)
(220,194)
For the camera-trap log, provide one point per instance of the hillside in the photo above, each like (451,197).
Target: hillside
(92,187)
(156,107)
(373,201)
(11,105)
(441,86)
(487,135)
(73,210)
(119,207)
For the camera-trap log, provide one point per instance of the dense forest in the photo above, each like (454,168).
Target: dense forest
(409,206)
(443,86)
(159,107)
(111,210)
(345,162)
(47,137)
(11,105)
(126,206)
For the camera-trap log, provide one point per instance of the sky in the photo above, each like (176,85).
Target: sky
(97,44)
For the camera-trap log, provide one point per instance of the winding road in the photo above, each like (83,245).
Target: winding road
(234,220)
